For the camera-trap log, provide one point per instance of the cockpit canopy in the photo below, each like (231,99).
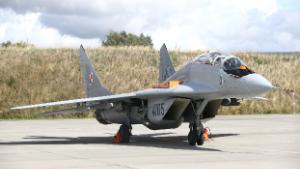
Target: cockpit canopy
(229,63)
(212,58)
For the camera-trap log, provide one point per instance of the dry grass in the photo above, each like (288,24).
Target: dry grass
(31,75)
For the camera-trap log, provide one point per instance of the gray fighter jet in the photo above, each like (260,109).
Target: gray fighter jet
(192,94)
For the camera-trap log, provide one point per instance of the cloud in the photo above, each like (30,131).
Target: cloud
(258,25)
(15,27)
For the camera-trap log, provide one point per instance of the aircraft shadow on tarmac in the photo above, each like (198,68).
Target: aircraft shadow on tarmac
(160,140)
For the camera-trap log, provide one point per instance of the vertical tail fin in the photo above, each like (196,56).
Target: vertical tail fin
(91,83)
(166,68)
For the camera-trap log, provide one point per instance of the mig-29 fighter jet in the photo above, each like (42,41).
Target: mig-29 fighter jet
(192,94)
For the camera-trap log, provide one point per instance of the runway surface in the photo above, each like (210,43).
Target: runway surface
(255,141)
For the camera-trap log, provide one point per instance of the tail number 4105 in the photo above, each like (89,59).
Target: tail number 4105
(158,109)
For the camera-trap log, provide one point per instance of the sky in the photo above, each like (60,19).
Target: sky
(228,25)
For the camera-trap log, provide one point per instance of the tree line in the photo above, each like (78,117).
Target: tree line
(126,39)
(21,44)
(112,39)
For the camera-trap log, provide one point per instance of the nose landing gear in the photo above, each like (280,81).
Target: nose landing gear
(197,133)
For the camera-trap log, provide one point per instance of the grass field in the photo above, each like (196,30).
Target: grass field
(32,75)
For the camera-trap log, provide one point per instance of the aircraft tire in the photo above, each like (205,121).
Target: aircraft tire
(125,133)
(200,139)
(192,138)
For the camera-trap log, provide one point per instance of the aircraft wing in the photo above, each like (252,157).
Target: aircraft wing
(180,91)
(256,99)
(76,101)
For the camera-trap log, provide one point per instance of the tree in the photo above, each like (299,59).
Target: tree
(126,39)
(20,44)
(6,44)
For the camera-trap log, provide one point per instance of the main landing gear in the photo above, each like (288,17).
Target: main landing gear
(123,135)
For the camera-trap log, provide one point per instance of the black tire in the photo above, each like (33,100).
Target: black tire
(125,133)
(200,139)
(192,138)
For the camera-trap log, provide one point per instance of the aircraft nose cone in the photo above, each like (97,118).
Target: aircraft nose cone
(257,84)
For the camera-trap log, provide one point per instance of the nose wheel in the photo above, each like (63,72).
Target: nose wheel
(123,134)
(196,135)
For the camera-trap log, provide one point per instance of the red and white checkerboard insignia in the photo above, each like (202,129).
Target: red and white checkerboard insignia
(91,78)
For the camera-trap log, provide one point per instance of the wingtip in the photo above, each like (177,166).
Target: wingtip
(16,108)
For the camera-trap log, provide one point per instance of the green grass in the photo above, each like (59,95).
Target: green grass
(33,75)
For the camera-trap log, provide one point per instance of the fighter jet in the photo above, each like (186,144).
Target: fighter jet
(192,94)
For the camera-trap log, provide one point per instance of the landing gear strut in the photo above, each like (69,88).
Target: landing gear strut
(123,134)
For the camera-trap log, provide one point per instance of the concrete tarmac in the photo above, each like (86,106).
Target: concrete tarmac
(248,142)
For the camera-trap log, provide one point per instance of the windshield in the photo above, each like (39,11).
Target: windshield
(232,63)
(234,66)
